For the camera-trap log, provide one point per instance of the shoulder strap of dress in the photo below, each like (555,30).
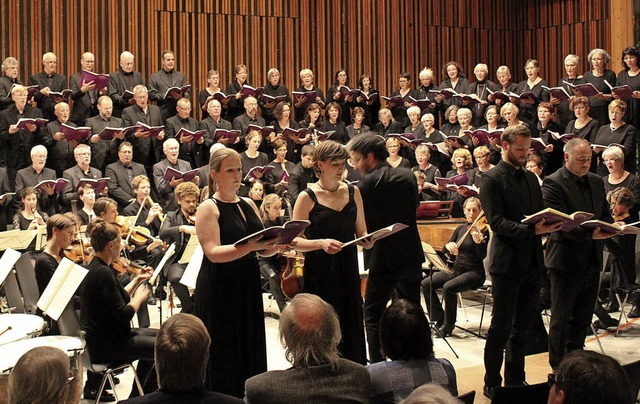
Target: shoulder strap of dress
(312,195)
(351,191)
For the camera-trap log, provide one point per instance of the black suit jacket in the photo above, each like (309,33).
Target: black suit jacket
(27,178)
(84,104)
(103,152)
(196,154)
(7,207)
(514,243)
(120,187)
(60,155)
(46,104)
(165,191)
(17,146)
(572,251)
(390,196)
(159,83)
(74,175)
(170,232)
(118,85)
(145,151)
(5,88)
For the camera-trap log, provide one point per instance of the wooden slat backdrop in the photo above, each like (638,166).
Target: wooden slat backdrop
(379,37)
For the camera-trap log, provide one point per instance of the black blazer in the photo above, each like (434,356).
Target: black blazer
(27,178)
(571,251)
(103,152)
(120,187)
(47,104)
(165,191)
(17,146)
(514,243)
(196,154)
(74,175)
(118,85)
(83,105)
(145,151)
(159,83)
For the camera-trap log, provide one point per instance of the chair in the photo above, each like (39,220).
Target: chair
(467,398)
(533,394)
(69,325)
(27,280)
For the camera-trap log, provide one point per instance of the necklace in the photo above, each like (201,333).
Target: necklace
(328,190)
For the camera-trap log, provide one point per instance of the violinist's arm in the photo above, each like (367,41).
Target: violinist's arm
(208,232)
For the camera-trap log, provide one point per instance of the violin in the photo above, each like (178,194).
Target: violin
(480,226)
(123,265)
(80,252)
(137,235)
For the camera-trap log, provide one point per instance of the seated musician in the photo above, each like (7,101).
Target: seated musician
(178,227)
(270,267)
(149,215)
(468,244)
(87,196)
(29,217)
(107,308)
(60,233)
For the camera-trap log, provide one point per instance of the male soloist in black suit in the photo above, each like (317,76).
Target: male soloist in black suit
(574,258)
(395,263)
(510,192)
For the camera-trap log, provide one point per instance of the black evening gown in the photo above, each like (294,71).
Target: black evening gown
(229,301)
(335,278)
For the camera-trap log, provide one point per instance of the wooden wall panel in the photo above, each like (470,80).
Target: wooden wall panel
(380,37)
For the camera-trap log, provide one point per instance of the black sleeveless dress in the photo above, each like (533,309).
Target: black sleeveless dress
(335,278)
(228,300)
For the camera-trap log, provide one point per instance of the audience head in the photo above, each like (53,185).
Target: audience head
(59,224)
(310,331)
(367,151)
(587,377)
(41,376)
(181,353)
(326,153)
(516,141)
(430,394)
(405,332)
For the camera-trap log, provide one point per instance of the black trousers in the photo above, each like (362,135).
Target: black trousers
(270,272)
(451,283)
(573,298)
(174,274)
(380,288)
(138,347)
(515,306)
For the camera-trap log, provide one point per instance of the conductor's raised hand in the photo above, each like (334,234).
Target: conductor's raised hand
(543,228)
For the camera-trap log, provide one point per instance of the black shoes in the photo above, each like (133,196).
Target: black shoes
(487,391)
(106,397)
(604,324)
(445,331)
(611,307)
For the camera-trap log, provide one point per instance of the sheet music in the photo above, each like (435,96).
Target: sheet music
(41,238)
(16,239)
(165,258)
(7,262)
(191,247)
(63,284)
(190,275)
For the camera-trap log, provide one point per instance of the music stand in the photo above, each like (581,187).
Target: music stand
(434,262)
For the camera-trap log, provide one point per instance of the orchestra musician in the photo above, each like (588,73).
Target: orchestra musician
(178,226)
(468,244)
(107,308)
(29,217)
(150,215)
(87,196)
(229,293)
